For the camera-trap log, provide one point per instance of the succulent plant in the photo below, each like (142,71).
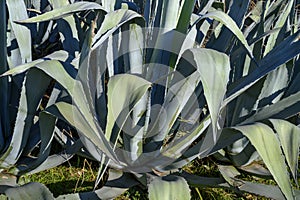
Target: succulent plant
(149,92)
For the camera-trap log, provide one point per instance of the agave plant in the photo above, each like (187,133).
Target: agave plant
(25,135)
(27,130)
(152,93)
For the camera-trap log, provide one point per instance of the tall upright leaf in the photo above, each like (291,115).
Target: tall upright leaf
(22,33)
(4,125)
(32,91)
(214,68)
(67,28)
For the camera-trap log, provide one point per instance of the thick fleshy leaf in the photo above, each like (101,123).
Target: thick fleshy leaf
(111,23)
(230,24)
(33,90)
(112,5)
(185,16)
(117,184)
(47,124)
(177,148)
(176,98)
(4,99)
(169,187)
(229,173)
(57,55)
(62,12)
(132,46)
(96,136)
(282,18)
(169,14)
(289,137)
(55,160)
(29,191)
(269,191)
(266,92)
(267,144)
(284,108)
(282,53)
(224,41)
(60,73)
(124,91)
(67,28)
(21,33)
(7,180)
(214,68)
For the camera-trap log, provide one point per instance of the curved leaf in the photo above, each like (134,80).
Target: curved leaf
(124,91)
(266,143)
(282,53)
(116,184)
(111,23)
(230,24)
(214,69)
(269,191)
(63,12)
(289,137)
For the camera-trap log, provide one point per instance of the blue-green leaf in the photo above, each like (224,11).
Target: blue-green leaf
(169,187)
(267,144)
(63,11)
(289,137)
(214,68)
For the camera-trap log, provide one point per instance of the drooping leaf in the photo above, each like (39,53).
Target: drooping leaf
(63,11)
(289,137)
(230,24)
(57,55)
(224,41)
(266,143)
(269,191)
(111,23)
(116,184)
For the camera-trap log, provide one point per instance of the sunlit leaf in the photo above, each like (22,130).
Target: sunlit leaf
(267,144)
(169,187)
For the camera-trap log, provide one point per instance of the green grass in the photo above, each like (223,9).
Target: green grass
(72,177)
(79,175)
(207,167)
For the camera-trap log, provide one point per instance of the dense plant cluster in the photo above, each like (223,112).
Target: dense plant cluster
(144,87)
